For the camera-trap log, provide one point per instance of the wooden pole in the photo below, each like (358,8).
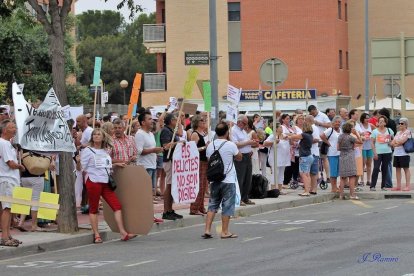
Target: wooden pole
(53,175)
(176,127)
(208,126)
(94,107)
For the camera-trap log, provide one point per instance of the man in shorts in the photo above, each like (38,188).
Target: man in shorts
(223,192)
(9,178)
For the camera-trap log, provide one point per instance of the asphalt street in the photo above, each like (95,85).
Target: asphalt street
(335,238)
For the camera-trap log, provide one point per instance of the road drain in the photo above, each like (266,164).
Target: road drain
(397,196)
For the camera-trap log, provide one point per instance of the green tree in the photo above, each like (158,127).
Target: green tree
(97,23)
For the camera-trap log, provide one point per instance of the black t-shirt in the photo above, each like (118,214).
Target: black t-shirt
(165,137)
(201,143)
(305,144)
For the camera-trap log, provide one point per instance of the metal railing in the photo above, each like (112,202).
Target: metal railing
(154,32)
(155,81)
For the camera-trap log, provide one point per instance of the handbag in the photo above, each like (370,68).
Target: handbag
(35,163)
(409,145)
(324,147)
(111,181)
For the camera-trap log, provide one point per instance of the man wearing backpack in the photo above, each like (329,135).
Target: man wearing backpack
(223,192)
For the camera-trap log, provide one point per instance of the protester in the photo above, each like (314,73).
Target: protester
(108,127)
(374,119)
(262,152)
(3,114)
(330,137)
(380,141)
(9,179)
(314,171)
(305,155)
(393,126)
(244,166)
(357,149)
(343,112)
(167,142)
(288,129)
(367,152)
(223,193)
(283,154)
(251,133)
(401,157)
(347,163)
(198,136)
(331,113)
(97,163)
(124,147)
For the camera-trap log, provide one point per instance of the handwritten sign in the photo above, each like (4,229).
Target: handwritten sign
(233,94)
(97,71)
(44,128)
(231,113)
(185,175)
(190,82)
(173,103)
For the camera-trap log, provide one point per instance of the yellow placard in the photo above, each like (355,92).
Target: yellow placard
(47,175)
(21,193)
(189,84)
(47,213)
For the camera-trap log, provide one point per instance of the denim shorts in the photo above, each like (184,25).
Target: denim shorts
(368,154)
(315,165)
(159,161)
(224,194)
(305,163)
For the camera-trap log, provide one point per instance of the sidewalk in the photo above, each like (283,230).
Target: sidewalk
(37,242)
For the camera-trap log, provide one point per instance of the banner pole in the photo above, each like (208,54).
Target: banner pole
(176,128)
(94,107)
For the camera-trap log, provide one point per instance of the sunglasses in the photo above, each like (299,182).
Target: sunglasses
(402,124)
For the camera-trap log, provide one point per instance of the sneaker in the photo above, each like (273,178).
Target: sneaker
(372,189)
(169,215)
(85,209)
(176,215)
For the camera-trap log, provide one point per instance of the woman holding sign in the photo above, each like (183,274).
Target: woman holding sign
(97,164)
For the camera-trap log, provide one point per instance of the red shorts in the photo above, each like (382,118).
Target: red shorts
(95,191)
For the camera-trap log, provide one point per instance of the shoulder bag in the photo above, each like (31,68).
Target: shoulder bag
(324,147)
(409,144)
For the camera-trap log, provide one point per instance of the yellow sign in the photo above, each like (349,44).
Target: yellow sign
(23,194)
(189,84)
(45,212)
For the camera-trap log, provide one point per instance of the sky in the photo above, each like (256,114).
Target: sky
(84,5)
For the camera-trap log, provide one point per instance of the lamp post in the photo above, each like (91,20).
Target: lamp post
(124,85)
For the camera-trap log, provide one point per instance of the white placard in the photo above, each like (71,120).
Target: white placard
(102,161)
(153,113)
(173,103)
(231,113)
(185,173)
(42,129)
(233,94)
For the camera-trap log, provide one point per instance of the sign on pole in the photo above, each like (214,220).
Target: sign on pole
(97,71)
(207,96)
(185,174)
(134,95)
(231,113)
(189,84)
(197,58)
(233,94)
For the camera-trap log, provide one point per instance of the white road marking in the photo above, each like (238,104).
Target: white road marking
(361,214)
(329,221)
(202,250)
(392,207)
(301,221)
(290,229)
(252,239)
(140,263)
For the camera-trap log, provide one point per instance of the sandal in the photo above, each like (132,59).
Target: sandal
(97,239)
(8,242)
(304,194)
(207,236)
(128,237)
(231,236)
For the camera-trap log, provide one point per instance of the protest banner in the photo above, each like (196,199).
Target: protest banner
(231,113)
(189,108)
(233,94)
(185,173)
(207,96)
(153,114)
(133,100)
(173,103)
(96,82)
(42,129)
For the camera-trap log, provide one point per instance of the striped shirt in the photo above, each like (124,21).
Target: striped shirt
(124,148)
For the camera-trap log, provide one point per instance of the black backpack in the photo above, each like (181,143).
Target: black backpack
(259,186)
(215,167)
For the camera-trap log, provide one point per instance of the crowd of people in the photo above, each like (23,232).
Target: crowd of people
(352,146)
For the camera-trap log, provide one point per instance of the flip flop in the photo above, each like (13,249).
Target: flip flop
(207,236)
(128,237)
(231,236)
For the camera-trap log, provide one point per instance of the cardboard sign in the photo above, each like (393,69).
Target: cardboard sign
(134,191)
(207,96)
(190,82)
(173,103)
(43,128)
(233,94)
(189,108)
(185,173)
(134,94)
(231,113)
(97,71)
(153,114)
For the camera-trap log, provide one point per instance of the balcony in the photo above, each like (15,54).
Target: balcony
(154,38)
(155,82)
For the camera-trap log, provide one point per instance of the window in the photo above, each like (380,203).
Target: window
(340,59)
(234,11)
(346,11)
(347,60)
(235,61)
(339,9)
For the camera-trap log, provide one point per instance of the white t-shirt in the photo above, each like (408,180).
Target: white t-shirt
(96,164)
(240,135)
(86,135)
(333,140)
(8,153)
(366,133)
(322,118)
(227,152)
(146,140)
(298,131)
(315,135)
(184,136)
(283,152)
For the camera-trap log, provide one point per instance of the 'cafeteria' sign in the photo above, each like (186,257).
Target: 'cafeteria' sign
(290,94)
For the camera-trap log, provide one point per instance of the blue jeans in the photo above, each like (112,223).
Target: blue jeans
(153,174)
(224,194)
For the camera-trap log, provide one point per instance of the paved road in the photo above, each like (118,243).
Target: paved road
(335,238)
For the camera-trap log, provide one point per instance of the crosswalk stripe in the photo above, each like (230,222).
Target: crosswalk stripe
(290,229)
(361,204)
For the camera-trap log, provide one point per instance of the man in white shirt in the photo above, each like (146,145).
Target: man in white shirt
(9,178)
(315,152)
(243,167)
(223,193)
(322,121)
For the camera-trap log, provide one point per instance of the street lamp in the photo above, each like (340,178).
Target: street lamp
(124,84)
